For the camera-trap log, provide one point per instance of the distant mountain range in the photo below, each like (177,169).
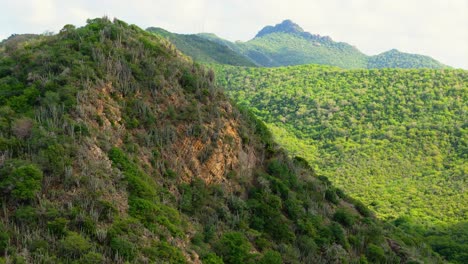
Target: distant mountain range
(288,44)
(202,48)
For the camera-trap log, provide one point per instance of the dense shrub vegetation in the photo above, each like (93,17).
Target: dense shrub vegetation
(107,140)
(395,139)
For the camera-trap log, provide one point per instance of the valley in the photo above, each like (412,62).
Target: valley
(395,139)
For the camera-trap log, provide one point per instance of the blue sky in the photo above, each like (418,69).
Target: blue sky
(438,28)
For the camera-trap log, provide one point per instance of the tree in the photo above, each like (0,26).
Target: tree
(73,245)
(234,248)
(24,182)
(271,257)
(375,254)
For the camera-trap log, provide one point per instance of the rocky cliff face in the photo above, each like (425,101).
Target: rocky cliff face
(210,157)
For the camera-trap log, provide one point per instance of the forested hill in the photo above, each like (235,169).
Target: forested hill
(204,50)
(117,148)
(396,59)
(395,139)
(288,44)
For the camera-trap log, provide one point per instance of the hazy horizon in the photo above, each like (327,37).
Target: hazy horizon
(434,28)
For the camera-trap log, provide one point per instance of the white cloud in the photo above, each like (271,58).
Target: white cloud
(42,12)
(437,28)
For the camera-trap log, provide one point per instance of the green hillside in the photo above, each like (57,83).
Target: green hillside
(215,38)
(287,44)
(396,59)
(395,139)
(116,148)
(202,49)
(282,49)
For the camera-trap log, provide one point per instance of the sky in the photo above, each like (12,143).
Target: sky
(438,28)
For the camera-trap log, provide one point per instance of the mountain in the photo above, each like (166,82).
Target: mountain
(203,49)
(117,148)
(287,26)
(288,44)
(395,139)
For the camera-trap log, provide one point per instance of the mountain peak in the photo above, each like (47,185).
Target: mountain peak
(393,51)
(287,26)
